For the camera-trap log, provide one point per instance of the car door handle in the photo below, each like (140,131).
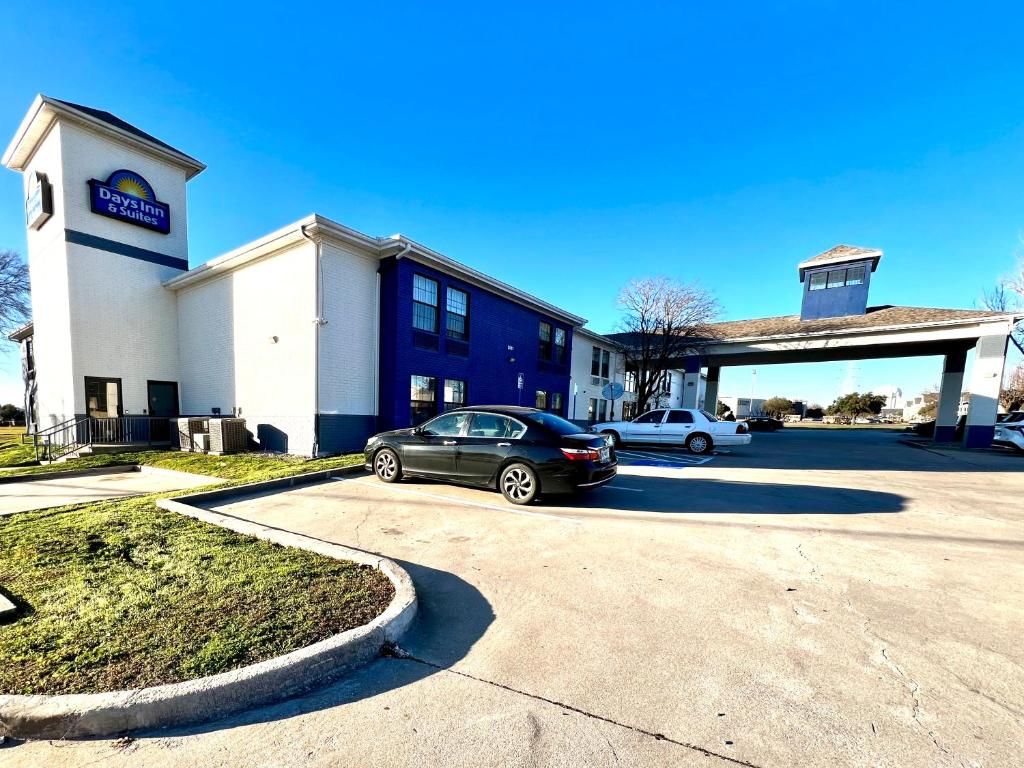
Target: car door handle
(450,442)
(504,445)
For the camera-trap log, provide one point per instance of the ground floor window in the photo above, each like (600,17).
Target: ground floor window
(628,411)
(422,399)
(541,400)
(592,410)
(102,397)
(556,403)
(602,410)
(454,393)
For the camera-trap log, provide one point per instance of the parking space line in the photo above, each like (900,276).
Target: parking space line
(624,488)
(682,461)
(453,500)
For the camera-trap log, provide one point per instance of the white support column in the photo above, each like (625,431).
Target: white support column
(711,389)
(691,381)
(986,381)
(949,397)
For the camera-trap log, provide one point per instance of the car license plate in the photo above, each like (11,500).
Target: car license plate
(604,453)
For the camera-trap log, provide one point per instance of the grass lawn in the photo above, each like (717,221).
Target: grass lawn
(123,594)
(12,452)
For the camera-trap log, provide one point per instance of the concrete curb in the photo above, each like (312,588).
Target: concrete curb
(66,473)
(210,698)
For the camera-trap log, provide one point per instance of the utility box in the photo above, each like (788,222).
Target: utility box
(228,436)
(188,428)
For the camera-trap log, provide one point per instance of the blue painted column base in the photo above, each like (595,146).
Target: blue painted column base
(944,434)
(979,435)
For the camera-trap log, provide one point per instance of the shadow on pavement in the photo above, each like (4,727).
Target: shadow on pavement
(452,615)
(689,495)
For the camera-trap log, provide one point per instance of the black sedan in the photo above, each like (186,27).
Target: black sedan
(519,451)
(763,424)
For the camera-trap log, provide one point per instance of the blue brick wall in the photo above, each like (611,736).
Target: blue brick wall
(835,302)
(495,323)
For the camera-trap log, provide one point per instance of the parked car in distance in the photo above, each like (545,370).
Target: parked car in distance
(696,430)
(762,423)
(521,452)
(1010,430)
(927,428)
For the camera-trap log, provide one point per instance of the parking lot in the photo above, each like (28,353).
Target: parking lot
(819,598)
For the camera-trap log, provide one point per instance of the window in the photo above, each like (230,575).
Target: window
(628,411)
(630,382)
(679,417)
(836,278)
(606,359)
(541,400)
(556,424)
(559,345)
(544,350)
(102,397)
(454,393)
(709,416)
(447,425)
(424,303)
(602,410)
(493,426)
(422,399)
(651,417)
(592,410)
(595,362)
(457,319)
(855,276)
(817,282)
(556,402)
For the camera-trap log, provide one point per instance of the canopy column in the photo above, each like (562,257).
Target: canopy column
(951,386)
(986,381)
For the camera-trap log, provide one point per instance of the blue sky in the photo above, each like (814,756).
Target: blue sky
(567,149)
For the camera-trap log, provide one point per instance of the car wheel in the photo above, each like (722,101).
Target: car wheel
(386,466)
(519,484)
(699,444)
(616,440)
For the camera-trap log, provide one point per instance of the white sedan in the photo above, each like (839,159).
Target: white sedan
(694,429)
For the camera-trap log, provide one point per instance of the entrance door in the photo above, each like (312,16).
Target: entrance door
(433,448)
(163,404)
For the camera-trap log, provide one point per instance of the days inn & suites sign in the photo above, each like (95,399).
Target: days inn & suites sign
(128,197)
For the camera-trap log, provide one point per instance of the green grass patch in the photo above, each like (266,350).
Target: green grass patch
(12,452)
(123,594)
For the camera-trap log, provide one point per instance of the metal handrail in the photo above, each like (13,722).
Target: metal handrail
(75,434)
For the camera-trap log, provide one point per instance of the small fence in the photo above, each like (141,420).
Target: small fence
(74,434)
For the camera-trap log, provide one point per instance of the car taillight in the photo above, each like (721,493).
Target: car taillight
(580,454)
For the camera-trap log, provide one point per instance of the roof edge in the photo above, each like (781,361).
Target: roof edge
(46,110)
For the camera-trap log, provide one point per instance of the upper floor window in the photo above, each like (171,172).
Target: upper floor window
(600,364)
(836,278)
(457,319)
(559,345)
(424,303)
(544,349)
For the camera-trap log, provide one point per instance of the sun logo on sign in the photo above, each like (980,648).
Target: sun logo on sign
(131,184)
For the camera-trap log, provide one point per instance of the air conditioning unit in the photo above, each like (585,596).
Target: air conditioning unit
(228,436)
(188,427)
(202,441)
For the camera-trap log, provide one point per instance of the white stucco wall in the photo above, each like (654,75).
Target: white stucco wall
(99,313)
(229,358)
(585,384)
(48,272)
(348,342)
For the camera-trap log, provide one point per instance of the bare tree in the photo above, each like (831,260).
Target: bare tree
(1008,296)
(661,319)
(14,297)
(1012,395)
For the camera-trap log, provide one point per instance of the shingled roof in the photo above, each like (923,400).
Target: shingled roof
(117,122)
(885,316)
(841,254)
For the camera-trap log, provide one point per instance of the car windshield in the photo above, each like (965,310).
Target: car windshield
(556,424)
(709,417)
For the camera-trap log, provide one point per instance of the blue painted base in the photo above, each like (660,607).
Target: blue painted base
(979,435)
(342,433)
(944,434)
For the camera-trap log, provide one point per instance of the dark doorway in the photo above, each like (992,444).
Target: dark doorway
(163,405)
